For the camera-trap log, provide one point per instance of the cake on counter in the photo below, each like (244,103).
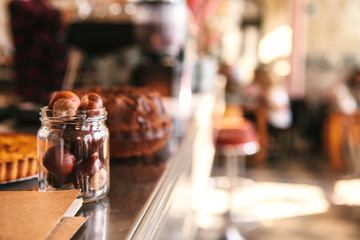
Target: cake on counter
(137,120)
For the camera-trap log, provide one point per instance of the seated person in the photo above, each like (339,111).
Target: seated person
(270,94)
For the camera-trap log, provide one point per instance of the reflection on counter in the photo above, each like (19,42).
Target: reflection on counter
(98,219)
(145,169)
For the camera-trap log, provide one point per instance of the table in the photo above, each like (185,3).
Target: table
(142,189)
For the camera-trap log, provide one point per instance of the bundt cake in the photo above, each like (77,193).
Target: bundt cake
(137,120)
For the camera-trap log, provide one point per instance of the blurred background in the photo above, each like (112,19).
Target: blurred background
(308,48)
(291,67)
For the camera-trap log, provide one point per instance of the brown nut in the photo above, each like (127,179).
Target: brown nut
(59,161)
(91,101)
(93,142)
(73,139)
(64,103)
(92,174)
(59,181)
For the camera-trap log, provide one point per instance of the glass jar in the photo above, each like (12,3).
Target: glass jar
(73,153)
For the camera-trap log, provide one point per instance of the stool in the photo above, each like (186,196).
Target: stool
(236,139)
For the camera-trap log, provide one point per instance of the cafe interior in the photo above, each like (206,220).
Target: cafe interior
(263,108)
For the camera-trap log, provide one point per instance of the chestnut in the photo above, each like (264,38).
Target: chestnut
(93,142)
(59,161)
(73,139)
(91,101)
(64,103)
(91,173)
(59,181)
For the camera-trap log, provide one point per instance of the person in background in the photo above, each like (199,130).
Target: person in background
(40,58)
(353,83)
(344,95)
(267,102)
(271,94)
(232,90)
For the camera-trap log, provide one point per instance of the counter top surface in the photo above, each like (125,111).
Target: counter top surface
(134,183)
(139,188)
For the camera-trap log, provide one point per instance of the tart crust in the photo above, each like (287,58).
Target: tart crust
(17,156)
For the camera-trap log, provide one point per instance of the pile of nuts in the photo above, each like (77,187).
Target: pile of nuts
(77,156)
(66,103)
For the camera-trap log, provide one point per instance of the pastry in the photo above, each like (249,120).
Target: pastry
(17,156)
(137,121)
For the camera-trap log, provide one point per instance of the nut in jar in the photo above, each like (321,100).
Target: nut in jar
(73,145)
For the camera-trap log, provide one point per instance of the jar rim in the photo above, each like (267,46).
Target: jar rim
(90,115)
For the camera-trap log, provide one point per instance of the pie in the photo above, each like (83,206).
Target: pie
(18,153)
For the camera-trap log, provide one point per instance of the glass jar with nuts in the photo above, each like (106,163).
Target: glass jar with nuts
(73,145)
